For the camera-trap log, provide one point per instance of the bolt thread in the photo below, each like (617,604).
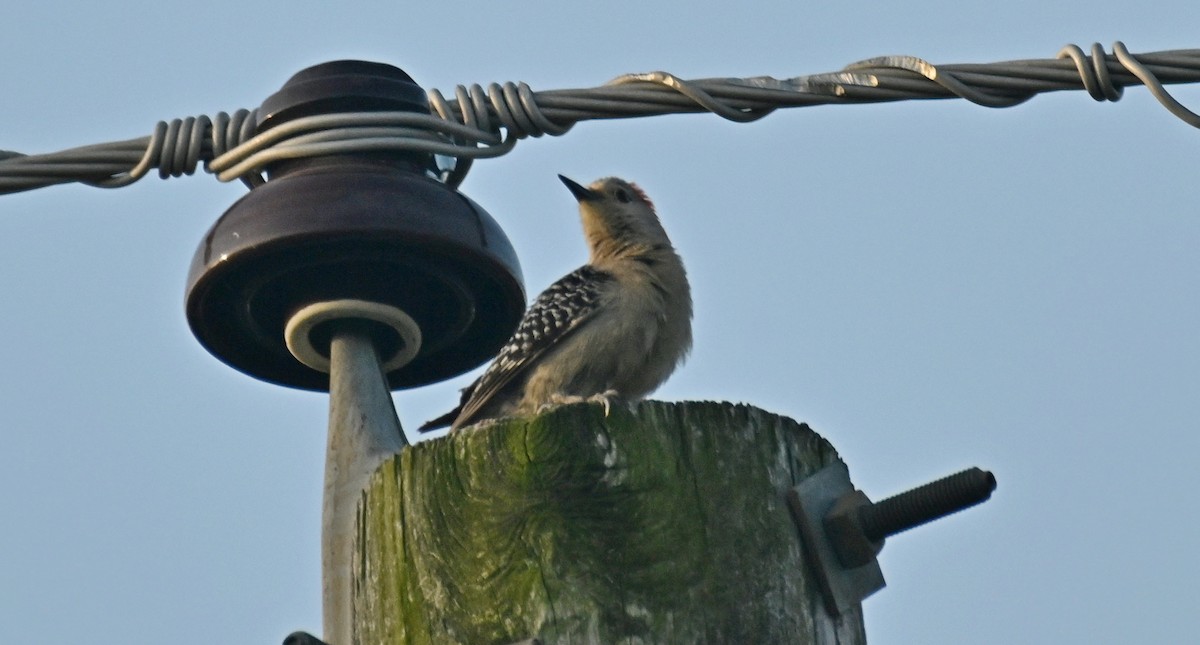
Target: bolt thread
(926,503)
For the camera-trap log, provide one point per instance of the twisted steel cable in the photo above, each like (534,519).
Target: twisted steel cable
(487,122)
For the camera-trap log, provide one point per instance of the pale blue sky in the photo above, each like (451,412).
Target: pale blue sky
(931,285)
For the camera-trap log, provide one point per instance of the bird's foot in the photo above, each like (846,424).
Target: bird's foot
(604,398)
(556,400)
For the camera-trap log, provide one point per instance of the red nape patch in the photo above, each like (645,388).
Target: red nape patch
(641,194)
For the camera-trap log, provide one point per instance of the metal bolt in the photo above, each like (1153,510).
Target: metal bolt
(926,503)
(857,527)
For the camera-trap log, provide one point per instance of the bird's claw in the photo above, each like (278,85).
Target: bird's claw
(604,398)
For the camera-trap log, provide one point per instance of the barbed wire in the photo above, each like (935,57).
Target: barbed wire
(482,123)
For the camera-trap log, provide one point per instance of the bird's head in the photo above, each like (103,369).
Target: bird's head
(618,218)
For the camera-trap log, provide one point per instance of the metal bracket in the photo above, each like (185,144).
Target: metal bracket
(811,500)
(843,531)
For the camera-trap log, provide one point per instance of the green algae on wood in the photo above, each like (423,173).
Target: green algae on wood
(660,523)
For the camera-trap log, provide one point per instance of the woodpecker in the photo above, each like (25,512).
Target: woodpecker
(615,328)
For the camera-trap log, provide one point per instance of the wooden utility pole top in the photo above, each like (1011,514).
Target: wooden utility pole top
(661,523)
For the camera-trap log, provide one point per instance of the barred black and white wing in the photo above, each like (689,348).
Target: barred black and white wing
(558,311)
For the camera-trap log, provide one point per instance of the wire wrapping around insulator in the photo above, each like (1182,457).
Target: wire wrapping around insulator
(177,147)
(516,110)
(343,133)
(481,122)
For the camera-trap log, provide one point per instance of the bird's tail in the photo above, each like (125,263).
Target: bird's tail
(440,422)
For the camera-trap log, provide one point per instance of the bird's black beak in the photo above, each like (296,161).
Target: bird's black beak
(582,193)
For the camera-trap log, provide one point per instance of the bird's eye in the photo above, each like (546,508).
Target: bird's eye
(623,196)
